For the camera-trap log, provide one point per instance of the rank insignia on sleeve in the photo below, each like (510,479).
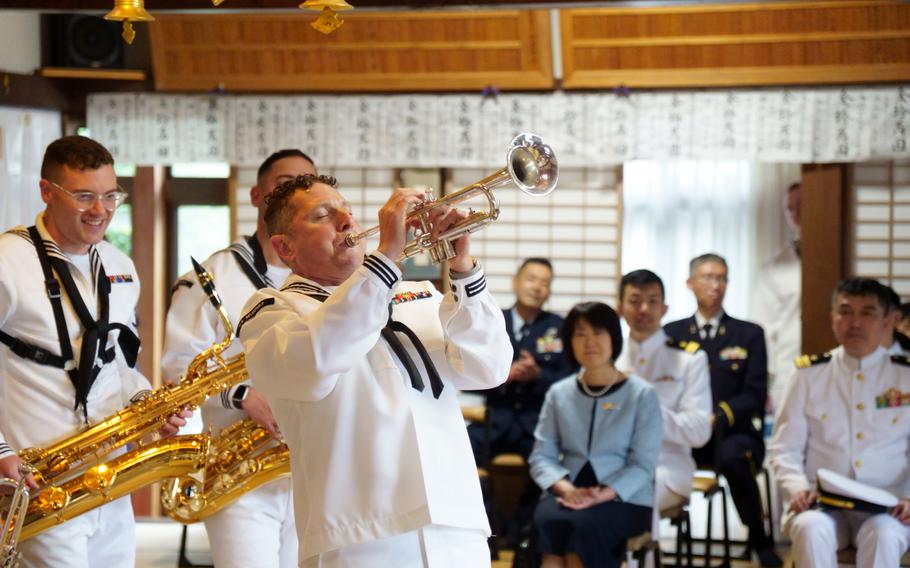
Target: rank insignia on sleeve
(892,398)
(733,354)
(410,296)
(120,278)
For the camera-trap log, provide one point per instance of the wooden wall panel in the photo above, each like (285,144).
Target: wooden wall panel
(742,44)
(372,52)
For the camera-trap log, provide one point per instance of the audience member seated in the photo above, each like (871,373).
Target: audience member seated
(513,407)
(679,372)
(846,411)
(537,363)
(739,386)
(596,449)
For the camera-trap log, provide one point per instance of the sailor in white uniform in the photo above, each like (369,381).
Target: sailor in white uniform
(847,411)
(679,373)
(257,530)
(67,325)
(362,371)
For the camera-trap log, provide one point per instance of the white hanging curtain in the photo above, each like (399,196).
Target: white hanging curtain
(24,134)
(675,211)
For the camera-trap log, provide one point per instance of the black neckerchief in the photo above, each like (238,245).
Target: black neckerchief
(388,333)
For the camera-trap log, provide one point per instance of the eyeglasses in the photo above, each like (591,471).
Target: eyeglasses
(712,278)
(85,199)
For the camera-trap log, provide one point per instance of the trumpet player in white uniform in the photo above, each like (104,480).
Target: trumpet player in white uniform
(257,530)
(362,371)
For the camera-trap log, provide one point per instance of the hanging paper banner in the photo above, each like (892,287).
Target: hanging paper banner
(596,129)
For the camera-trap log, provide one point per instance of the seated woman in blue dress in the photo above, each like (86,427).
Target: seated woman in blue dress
(595,451)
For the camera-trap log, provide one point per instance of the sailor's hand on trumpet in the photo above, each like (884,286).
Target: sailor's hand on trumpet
(393,221)
(9,469)
(441,219)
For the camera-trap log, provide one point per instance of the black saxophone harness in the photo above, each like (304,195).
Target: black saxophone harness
(94,353)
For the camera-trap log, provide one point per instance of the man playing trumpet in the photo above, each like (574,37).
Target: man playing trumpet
(258,529)
(362,372)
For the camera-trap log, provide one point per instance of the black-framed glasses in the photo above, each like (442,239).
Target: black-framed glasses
(85,199)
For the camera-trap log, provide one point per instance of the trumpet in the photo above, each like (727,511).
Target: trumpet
(12,524)
(530,165)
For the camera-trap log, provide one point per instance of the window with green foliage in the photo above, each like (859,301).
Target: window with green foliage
(120,231)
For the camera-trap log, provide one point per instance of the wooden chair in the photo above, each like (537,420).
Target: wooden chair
(679,518)
(639,546)
(710,486)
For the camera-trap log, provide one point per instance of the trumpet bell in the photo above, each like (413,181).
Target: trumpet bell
(532,165)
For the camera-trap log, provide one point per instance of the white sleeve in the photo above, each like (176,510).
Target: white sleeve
(7,306)
(787,449)
(690,423)
(478,349)
(297,348)
(190,328)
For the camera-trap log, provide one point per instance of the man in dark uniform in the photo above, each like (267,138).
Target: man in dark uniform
(537,362)
(739,386)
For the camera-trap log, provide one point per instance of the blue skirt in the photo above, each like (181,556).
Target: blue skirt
(597,535)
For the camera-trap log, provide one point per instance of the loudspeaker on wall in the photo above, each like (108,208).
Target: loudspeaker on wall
(86,41)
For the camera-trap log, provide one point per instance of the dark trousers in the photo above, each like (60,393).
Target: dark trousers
(597,535)
(507,438)
(738,458)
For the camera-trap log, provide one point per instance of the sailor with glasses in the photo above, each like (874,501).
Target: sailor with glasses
(67,306)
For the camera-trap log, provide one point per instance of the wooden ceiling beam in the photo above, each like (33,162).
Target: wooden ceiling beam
(230,5)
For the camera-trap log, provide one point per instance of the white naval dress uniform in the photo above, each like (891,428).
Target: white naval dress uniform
(776,308)
(37,401)
(683,385)
(380,469)
(257,530)
(836,415)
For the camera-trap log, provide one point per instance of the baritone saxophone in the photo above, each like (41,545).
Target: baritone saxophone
(77,474)
(241,458)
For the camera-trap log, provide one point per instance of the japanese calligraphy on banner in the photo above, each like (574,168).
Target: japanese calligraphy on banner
(596,129)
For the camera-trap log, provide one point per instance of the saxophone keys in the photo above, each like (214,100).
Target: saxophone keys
(99,478)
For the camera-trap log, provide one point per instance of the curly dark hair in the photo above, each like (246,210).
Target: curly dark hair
(278,212)
(76,152)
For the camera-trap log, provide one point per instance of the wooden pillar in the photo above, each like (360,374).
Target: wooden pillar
(148,254)
(824,243)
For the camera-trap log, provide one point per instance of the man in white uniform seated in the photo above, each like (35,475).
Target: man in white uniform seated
(679,372)
(848,411)
(362,372)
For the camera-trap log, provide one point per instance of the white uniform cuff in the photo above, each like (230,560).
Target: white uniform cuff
(469,286)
